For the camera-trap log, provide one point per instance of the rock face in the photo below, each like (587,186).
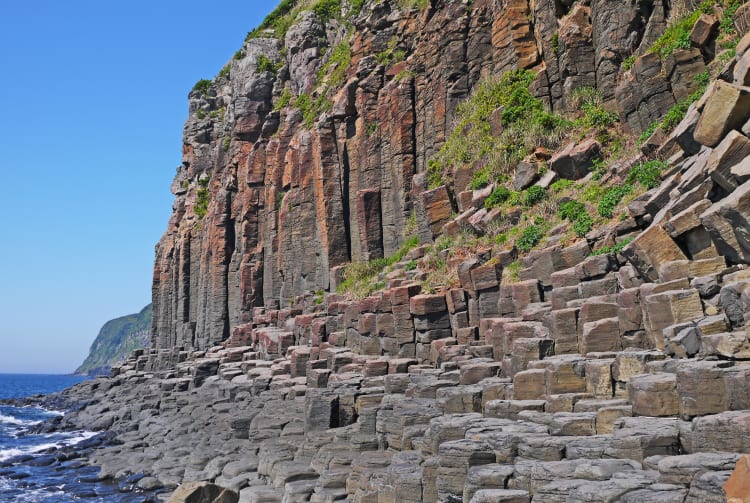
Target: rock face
(116,340)
(271,197)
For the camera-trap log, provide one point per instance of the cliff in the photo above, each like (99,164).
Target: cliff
(455,251)
(116,340)
(305,152)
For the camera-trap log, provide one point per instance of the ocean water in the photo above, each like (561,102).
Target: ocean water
(48,467)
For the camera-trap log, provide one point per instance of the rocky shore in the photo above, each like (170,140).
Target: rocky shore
(520,408)
(598,364)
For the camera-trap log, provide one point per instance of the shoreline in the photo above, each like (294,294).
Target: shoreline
(238,419)
(67,460)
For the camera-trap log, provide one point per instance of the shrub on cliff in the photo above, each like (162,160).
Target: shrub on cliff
(647,173)
(202,86)
(522,117)
(612,198)
(529,237)
(360,278)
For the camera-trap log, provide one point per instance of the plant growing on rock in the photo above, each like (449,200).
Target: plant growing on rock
(327,9)
(529,237)
(265,64)
(526,124)
(533,195)
(339,60)
(612,198)
(203,197)
(647,173)
(359,277)
(202,86)
(576,212)
(499,195)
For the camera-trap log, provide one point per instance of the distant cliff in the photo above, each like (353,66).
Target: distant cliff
(116,339)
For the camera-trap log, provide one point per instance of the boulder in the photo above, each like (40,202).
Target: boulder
(576,160)
(203,492)
(727,108)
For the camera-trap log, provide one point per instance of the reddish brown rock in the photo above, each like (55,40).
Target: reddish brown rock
(427,304)
(737,486)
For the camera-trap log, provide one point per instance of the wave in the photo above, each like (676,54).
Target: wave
(76,437)
(15,421)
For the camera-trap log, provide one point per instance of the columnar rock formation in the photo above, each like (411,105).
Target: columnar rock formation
(268,201)
(575,372)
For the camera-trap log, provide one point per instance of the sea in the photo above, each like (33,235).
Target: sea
(49,467)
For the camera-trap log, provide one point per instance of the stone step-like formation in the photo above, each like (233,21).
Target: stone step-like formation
(588,377)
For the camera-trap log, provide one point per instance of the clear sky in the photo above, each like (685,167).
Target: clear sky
(93,97)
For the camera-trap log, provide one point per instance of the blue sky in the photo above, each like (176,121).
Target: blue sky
(94,97)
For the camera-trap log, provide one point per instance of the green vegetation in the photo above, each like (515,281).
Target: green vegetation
(310,109)
(360,278)
(239,55)
(526,125)
(612,198)
(575,212)
(628,62)
(372,128)
(675,114)
(583,224)
(391,55)
(533,195)
(613,249)
(589,101)
(529,237)
(676,36)
(218,113)
(201,205)
(513,271)
(481,178)
(414,4)
(327,9)
(647,173)
(355,7)
(499,195)
(226,143)
(116,340)
(556,42)
(319,298)
(339,59)
(405,75)
(202,86)
(560,185)
(277,23)
(224,72)
(265,64)
(284,99)
(726,24)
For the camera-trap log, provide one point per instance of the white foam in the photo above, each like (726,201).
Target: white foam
(18,422)
(76,437)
